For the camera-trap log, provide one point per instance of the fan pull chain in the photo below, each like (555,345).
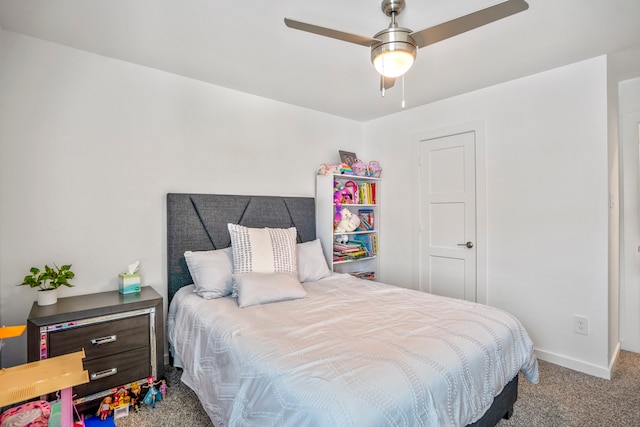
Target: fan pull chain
(403,92)
(382,89)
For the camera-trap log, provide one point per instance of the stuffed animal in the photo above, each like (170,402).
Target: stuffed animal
(348,221)
(342,238)
(328,169)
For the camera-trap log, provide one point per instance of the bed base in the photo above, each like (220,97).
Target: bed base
(502,406)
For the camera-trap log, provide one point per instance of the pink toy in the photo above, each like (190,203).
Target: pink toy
(31,414)
(375,169)
(346,193)
(163,389)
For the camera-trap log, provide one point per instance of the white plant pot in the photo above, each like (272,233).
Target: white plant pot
(48,297)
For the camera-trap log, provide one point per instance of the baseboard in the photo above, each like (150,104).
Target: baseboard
(614,359)
(605,372)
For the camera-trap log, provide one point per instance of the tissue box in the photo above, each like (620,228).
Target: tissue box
(129,283)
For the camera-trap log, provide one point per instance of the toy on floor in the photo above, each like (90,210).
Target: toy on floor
(163,389)
(104,410)
(153,395)
(35,414)
(121,402)
(121,397)
(135,396)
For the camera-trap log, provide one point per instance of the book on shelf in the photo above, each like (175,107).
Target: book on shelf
(367,219)
(349,251)
(367,240)
(367,193)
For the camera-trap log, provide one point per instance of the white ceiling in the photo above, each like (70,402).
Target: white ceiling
(244,44)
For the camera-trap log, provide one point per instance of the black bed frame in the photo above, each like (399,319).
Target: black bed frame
(197,222)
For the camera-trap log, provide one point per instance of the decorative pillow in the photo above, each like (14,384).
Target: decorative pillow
(211,271)
(263,250)
(312,265)
(265,288)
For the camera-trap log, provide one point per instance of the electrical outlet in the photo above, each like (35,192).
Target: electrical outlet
(581,325)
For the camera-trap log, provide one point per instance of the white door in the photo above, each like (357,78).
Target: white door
(448,216)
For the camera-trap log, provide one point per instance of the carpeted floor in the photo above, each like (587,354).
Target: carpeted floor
(564,398)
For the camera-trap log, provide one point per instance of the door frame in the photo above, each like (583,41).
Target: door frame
(478,128)
(629,293)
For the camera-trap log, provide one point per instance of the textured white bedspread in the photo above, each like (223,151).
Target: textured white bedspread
(355,353)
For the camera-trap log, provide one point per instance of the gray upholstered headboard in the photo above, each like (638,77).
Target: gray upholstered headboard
(198,222)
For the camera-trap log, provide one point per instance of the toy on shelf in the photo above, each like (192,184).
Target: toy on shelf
(374,169)
(104,410)
(326,169)
(346,193)
(348,222)
(359,168)
(345,169)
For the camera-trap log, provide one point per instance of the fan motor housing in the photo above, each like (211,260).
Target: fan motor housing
(396,38)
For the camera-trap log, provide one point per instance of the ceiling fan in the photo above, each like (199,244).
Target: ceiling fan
(394,49)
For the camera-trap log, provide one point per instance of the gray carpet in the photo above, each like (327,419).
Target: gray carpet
(564,398)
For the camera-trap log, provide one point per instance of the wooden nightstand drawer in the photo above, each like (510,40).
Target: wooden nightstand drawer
(113,371)
(101,339)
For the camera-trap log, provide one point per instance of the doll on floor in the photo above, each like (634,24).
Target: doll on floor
(153,395)
(163,389)
(105,408)
(135,396)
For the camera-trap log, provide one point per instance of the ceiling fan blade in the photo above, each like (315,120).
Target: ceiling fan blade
(327,32)
(468,22)
(386,82)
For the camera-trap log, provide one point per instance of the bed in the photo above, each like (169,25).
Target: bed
(345,352)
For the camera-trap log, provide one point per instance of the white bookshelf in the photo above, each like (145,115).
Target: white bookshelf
(325,225)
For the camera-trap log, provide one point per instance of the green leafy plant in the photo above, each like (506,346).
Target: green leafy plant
(50,278)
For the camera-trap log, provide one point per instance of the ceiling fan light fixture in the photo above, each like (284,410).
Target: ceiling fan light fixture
(395,52)
(393,63)
(394,49)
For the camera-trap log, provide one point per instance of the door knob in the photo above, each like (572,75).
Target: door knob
(468,244)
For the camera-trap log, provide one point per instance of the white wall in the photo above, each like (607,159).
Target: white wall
(546,198)
(630,154)
(89,146)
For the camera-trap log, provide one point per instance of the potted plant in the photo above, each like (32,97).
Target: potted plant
(48,281)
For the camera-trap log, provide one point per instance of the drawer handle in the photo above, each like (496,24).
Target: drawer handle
(103,374)
(104,340)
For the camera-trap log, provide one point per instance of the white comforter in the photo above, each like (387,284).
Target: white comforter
(354,353)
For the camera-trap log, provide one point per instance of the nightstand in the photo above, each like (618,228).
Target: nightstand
(122,336)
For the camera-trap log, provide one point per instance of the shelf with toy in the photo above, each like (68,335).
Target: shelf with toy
(336,233)
(347,212)
(345,261)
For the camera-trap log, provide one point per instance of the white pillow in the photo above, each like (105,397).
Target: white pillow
(312,264)
(263,250)
(211,271)
(265,288)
